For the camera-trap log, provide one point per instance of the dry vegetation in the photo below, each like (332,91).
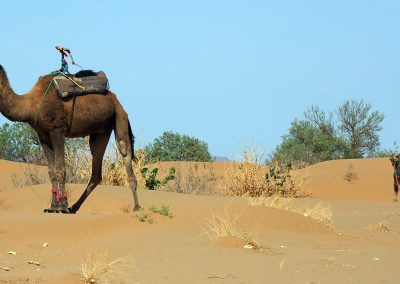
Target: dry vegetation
(199,179)
(224,225)
(252,177)
(78,163)
(320,212)
(31,175)
(97,269)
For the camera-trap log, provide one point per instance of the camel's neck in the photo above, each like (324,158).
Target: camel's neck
(12,106)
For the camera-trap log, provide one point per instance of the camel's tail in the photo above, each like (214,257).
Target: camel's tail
(123,130)
(132,140)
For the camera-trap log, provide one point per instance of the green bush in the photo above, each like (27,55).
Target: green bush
(176,147)
(151,179)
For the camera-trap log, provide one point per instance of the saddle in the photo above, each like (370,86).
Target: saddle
(82,83)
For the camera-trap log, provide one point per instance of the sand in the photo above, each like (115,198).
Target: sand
(295,248)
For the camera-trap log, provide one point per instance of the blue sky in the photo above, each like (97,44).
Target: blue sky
(231,73)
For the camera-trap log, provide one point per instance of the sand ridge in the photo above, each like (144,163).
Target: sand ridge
(296,249)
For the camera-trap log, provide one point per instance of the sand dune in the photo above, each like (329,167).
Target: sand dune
(296,249)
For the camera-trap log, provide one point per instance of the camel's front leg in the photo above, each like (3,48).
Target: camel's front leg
(396,187)
(57,172)
(48,151)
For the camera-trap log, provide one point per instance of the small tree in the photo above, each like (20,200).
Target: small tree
(176,147)
(19,142)
(308,144)
(360,126)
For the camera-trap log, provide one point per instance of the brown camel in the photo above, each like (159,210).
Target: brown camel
(94,115)
(395,160)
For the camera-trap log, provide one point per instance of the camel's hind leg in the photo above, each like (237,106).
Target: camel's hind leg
(125,140)
(98,144)
(126,151)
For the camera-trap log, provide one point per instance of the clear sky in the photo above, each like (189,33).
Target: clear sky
(231,73)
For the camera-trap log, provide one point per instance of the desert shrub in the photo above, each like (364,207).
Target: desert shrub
(152,182)
(252,177)
(176,147)
(199,179)
(351,174)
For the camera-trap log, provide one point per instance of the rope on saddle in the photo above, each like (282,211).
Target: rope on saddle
(58,194)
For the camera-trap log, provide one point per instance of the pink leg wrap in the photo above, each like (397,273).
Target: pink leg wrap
(58,194)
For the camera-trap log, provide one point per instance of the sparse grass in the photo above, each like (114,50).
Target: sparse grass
(199,180)
(351,174)
(144,218)
(97,269)
(164,211)
(252,177)
(274,201)
(320,212)
(224,225)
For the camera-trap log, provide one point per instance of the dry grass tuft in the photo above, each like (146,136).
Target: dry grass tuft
(97,269)
(320,212)
(223,225)
(351,174)
(274,201)
(252,177)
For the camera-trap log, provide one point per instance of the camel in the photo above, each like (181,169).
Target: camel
(395,160)
(94,115)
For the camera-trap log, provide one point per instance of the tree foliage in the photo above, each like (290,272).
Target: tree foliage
(360,125)
(176,147)
(309,144)
(19,142)
(319,137)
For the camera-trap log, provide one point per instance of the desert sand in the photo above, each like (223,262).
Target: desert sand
(295,248)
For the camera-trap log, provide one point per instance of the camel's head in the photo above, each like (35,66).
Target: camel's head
(395,160)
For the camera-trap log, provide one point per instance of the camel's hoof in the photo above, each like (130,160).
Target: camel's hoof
(71,210)
(137,208)
(51,210)
(57,210)
(394,199)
